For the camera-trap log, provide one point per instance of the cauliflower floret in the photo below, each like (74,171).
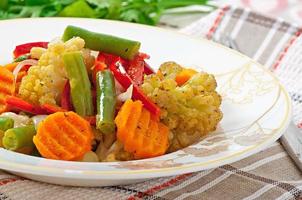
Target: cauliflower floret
(42,85)
(44,82)
(36,52)
(191,110)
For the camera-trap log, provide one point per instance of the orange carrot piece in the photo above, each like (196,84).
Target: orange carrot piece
(7,87)
(183,76)
(162,139)
(63,136)
(148,142)
(127,118)
(11,66)
(140,132)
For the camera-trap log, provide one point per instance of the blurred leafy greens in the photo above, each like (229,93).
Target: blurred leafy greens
(139,11)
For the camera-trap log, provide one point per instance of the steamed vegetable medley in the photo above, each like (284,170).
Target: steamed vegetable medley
(92,97)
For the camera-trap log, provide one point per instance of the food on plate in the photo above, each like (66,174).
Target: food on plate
(92,97)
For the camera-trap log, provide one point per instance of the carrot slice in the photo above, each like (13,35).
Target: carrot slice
(140,132)
(127,119)
(63,136)
(11,66)
(7,87)
(183,76)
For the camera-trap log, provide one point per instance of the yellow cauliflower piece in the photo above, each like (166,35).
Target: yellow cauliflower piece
(191,110)
(41,85)
(36,52)
(44,83)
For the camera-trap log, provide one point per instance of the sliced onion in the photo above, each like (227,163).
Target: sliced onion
(126,95)
(118,88)
(37,119)
(22,64)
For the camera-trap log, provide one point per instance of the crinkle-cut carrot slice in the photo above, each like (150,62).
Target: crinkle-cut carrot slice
(127,119)
(148,142)
(7,87)
(11,66)
(63,136)
(140,132)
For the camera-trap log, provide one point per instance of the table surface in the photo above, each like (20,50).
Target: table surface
(289,10)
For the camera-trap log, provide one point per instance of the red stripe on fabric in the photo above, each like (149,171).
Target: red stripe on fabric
(283,53)
(8,180)
(217,21)
(160,187)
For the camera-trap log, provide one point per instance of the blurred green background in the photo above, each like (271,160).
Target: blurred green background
(137,11)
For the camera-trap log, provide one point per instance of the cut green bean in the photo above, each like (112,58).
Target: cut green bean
(106,101)
(19,139)
(102,42)
(6,123)
(80,87)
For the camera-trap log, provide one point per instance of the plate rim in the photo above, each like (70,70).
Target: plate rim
(95,174)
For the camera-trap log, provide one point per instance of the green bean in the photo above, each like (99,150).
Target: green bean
(80,87)
(106,101)
(6,123)
(19,139)
(102,42)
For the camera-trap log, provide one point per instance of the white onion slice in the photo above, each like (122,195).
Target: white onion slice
(126,95)
(118,88)
(37,119)
(21,65)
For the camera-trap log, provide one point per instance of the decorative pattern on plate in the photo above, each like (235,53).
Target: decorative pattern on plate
(244,84)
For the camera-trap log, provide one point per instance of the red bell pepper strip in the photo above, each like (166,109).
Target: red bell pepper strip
(125,81)
(50,109)
(136,69)
(21,105)
(147,69)
(65,97)
(25,48)
(109,59)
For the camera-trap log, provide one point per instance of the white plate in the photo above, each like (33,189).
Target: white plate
(256,107)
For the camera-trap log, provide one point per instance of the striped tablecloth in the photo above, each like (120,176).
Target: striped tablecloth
(270,174)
